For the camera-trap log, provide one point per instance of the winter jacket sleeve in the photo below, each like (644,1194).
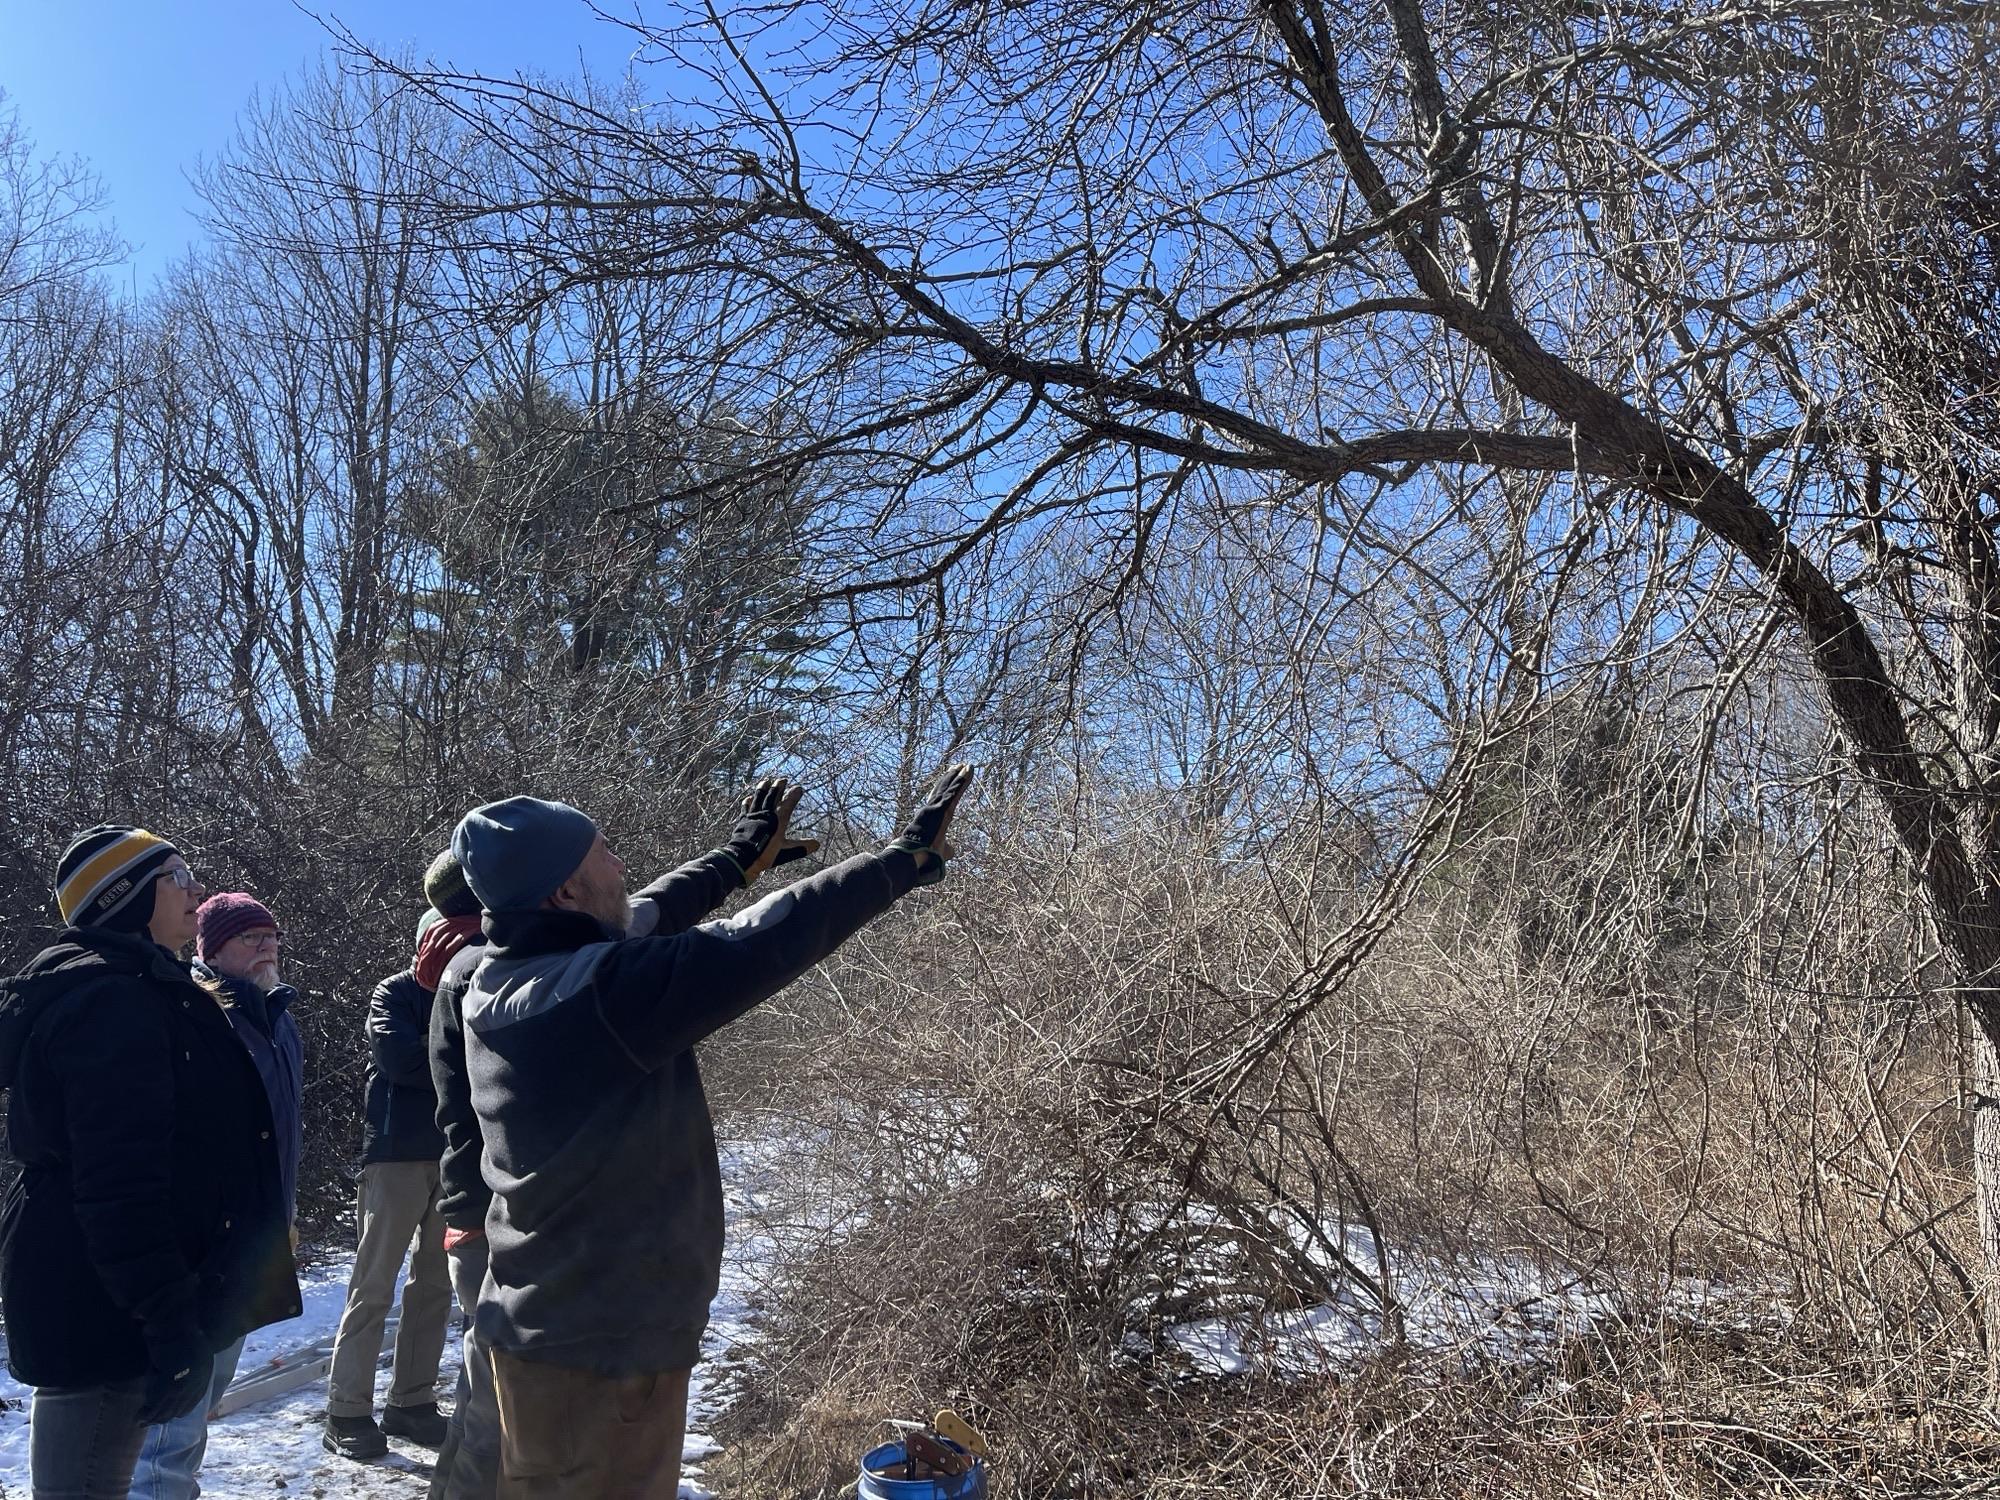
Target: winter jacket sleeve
(683,897)
(463,1194)
(399,1032)
(660,995)
(115,1052)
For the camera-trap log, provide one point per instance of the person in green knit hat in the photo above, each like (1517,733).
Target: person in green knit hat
(468,1464)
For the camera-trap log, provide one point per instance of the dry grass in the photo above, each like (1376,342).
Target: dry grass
(1620,1411)
(1734,1140)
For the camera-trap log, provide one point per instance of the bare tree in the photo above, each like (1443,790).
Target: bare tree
(1439,285)
(319,384)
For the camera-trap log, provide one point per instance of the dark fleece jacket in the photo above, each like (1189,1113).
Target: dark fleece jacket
(148,1216)
(605,1235)
(673,903)
(463,1196)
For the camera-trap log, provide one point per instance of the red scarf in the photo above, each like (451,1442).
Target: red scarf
(440,944)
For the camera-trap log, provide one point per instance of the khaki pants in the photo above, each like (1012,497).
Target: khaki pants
(572,1435)
(398,1205)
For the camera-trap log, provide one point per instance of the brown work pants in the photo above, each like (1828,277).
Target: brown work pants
(571,1435)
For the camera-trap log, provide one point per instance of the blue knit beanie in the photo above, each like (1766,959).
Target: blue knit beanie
(517,852)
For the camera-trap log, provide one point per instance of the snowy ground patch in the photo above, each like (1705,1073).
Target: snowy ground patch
(274,1449)
(1485,1308)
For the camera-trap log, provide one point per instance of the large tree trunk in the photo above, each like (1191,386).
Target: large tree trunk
(1952,858)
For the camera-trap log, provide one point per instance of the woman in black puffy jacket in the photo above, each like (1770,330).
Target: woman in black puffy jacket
(147,1228)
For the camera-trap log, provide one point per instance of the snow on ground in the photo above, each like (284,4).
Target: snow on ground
(1486,1308)
(1500,1310)
(274,1449)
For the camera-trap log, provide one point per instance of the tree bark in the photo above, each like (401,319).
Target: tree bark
(1985,1111)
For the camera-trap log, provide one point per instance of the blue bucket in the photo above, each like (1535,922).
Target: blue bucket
(971,1485)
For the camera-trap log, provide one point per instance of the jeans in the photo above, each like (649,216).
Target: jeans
(398,1205)
(468,1465)
(170,1458)
(83,1440)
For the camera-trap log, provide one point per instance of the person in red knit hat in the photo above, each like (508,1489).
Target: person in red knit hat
(236,944)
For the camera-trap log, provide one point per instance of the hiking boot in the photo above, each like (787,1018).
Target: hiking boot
(354,1437)
(422,1425)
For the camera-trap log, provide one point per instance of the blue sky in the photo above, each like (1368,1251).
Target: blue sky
(142,90)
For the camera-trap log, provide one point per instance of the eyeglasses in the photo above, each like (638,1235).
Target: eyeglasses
(268,938)
(181,876)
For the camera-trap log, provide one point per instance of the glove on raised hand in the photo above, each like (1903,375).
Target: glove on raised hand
(923,835)
(767,807)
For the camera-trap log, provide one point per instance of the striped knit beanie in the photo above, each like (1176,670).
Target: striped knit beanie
(105,877)
(225,916)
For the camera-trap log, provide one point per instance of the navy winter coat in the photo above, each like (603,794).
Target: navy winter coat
(401,1120)
(264,1024)
(148,1214)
